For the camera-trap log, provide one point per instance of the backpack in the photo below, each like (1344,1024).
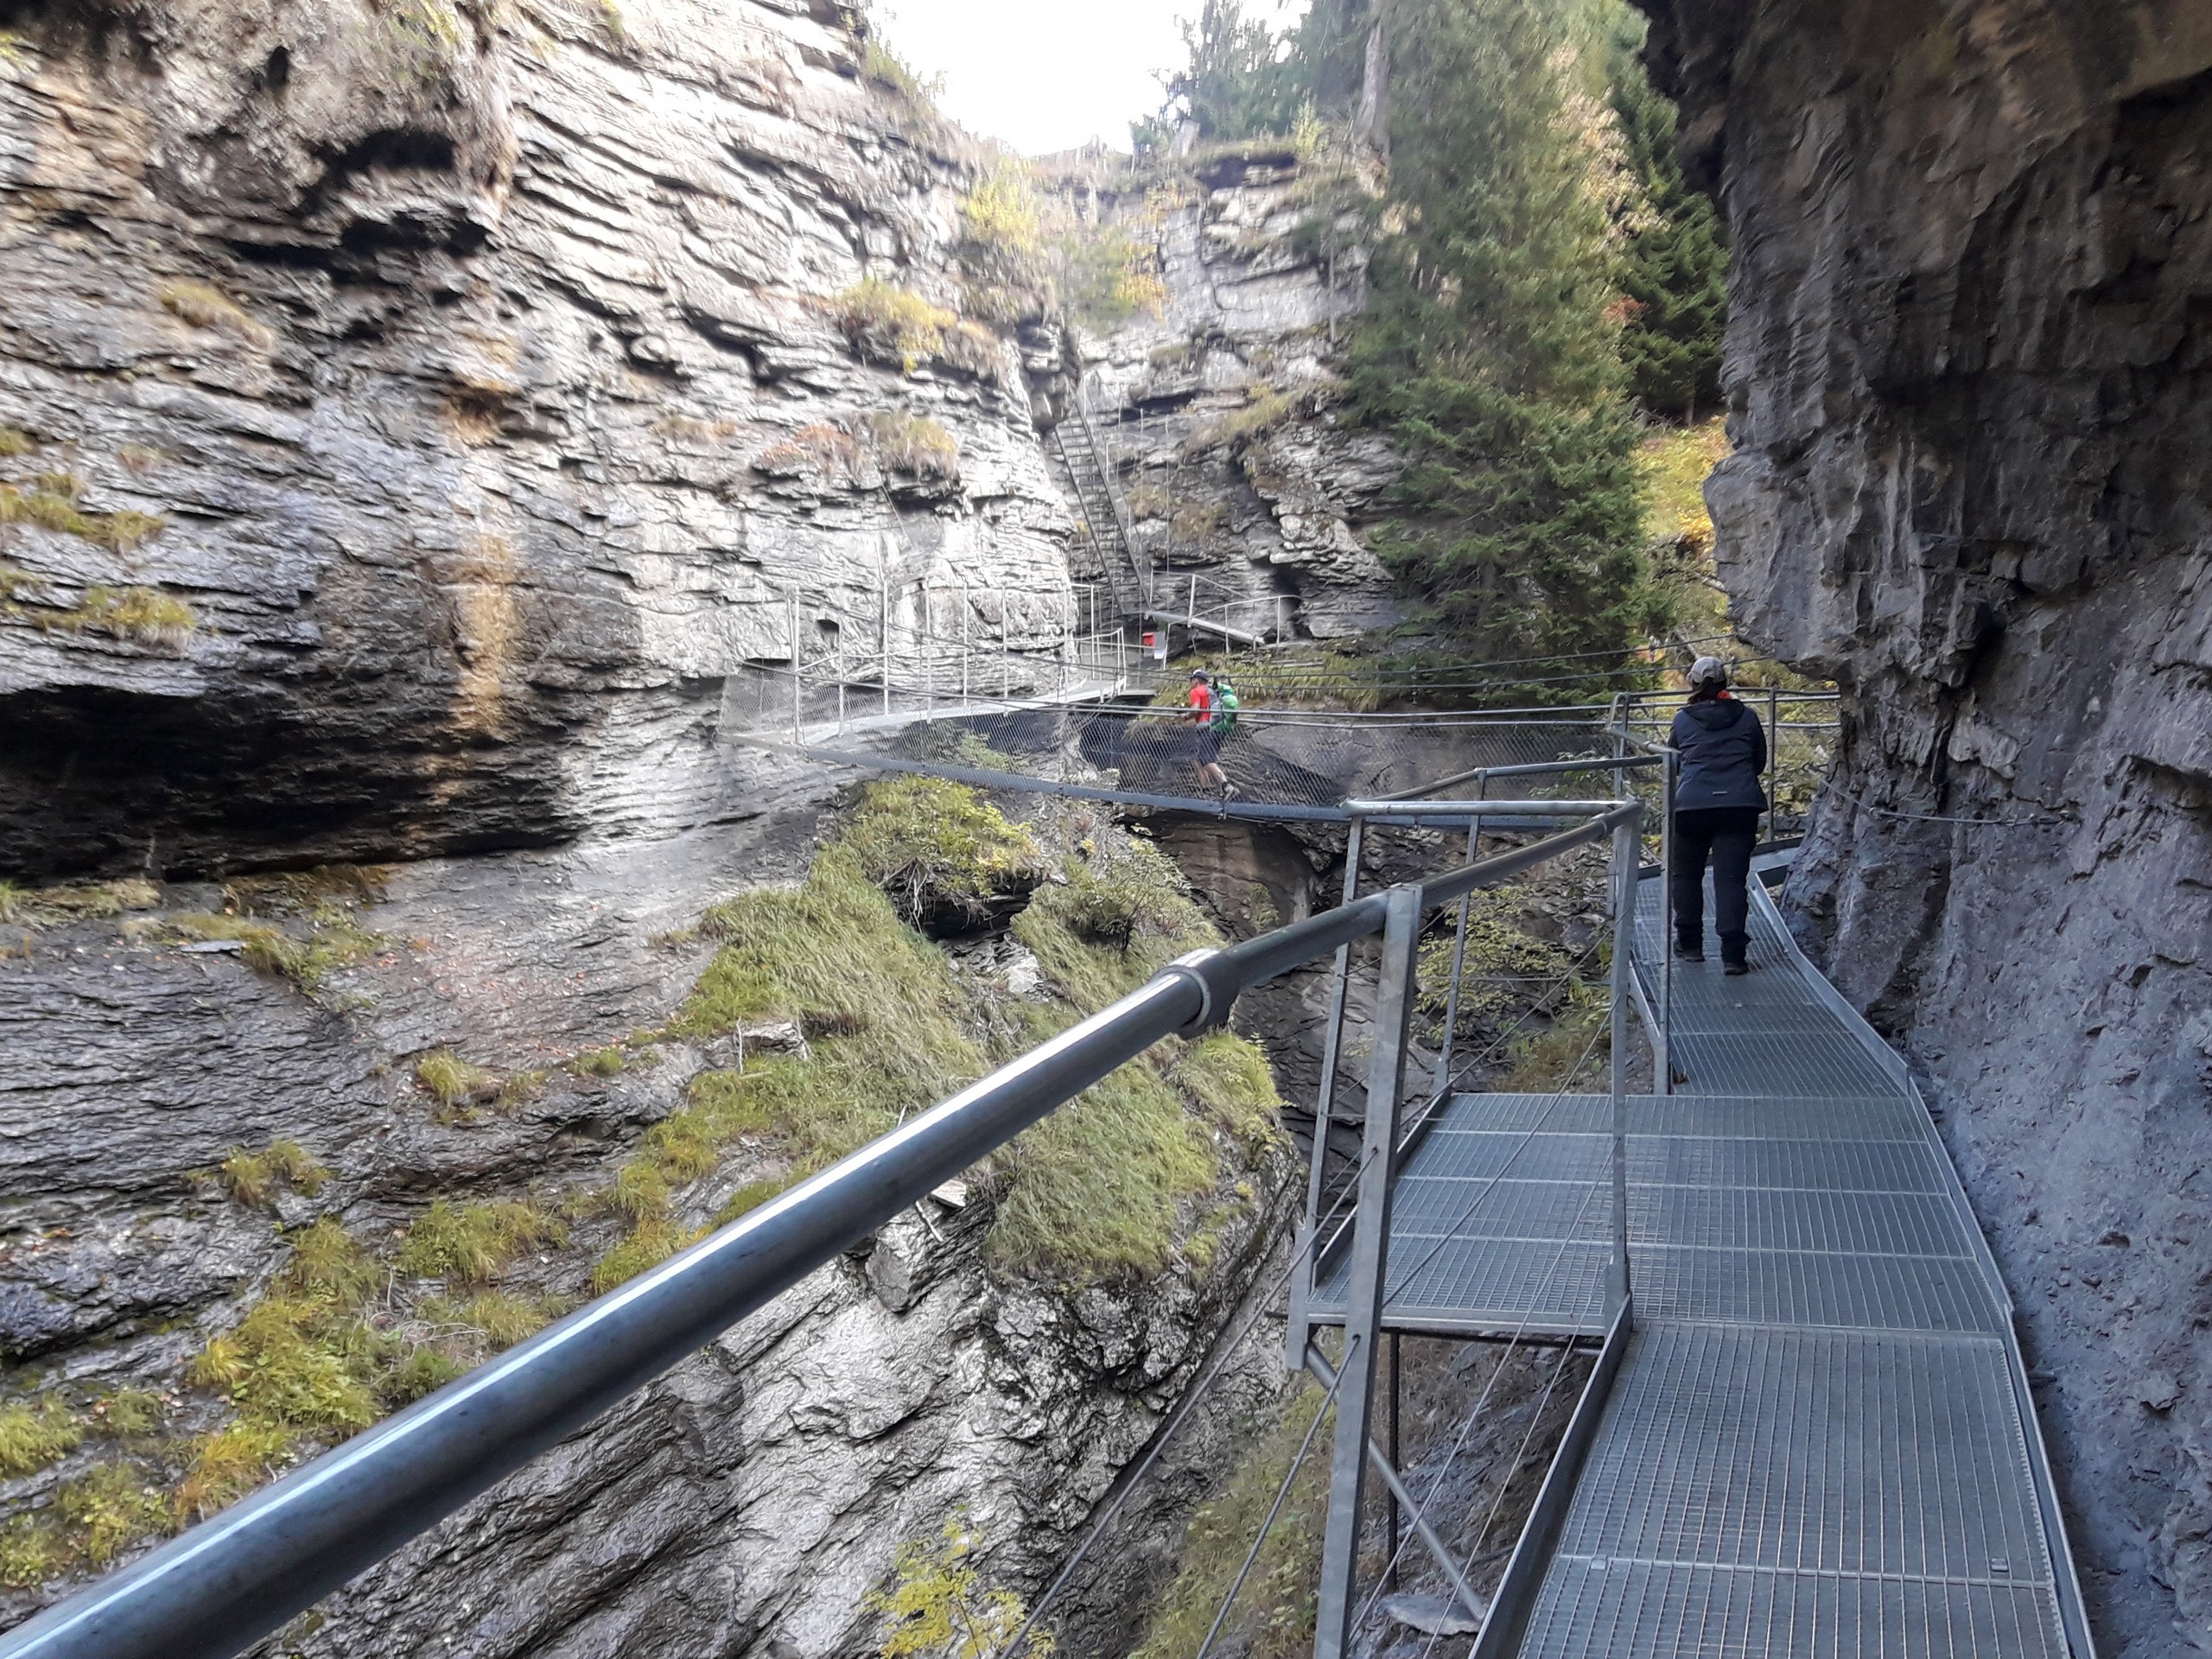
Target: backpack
(1224,708)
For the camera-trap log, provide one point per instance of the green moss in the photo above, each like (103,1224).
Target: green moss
(32,1436)
(254,1177)
(126,1414)
(472,1243)
(651,1243)
(1099,1186)
(111,1507)
(230,1462)
(282,1365)
(143,614)
(1230,1078)
(15,441)
(452,1081)
(940,850)
(1123,913)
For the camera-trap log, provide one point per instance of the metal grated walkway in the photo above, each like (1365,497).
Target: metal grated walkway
(1819,1441)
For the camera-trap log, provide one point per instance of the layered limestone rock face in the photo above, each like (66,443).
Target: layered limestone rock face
(417,415)
(1217,409)
(1970,382)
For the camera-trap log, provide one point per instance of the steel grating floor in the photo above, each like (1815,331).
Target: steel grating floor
(1815,1443)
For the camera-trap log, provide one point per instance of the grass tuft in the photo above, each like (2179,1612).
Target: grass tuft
(254,1177)
(889,324)
(111,1507)
(1264,409)
(1274,1614)
(472,1244)
(333,944)
(126,1414)
(15,441)
(32,1551)
(452,1081)
(50,906)
(1124,911)
(915,444)
(230,1463)
(32,1436)
(275,1368)
(648,1244)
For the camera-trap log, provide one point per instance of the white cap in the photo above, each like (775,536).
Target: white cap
(1708,670)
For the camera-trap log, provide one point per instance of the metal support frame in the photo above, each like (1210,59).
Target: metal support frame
(1628,848)
(1443,1083)
(1307,1244)
(1386,1078)
(1662,1052)
(1386,1470)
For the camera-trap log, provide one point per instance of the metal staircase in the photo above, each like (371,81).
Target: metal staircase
(1083,451)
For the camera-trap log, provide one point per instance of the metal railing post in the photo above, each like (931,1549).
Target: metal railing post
(883,629)
(840,678)
(1386,1077)
(1302,1278)
(1459,951)
(1773,760)
(964,609)
(1663,1054)
(1628,849)
(796,736)
(929,654)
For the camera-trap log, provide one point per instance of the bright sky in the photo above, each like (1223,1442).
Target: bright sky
(1044,76)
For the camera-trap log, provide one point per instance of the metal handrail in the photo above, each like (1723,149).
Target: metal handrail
(231,1581)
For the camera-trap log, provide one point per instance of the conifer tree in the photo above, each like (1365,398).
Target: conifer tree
(1674,260)
(1490,350)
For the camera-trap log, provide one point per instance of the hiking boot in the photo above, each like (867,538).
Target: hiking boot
(1735,970)
(1689,952)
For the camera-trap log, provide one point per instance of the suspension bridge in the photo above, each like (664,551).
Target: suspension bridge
(1806,1428)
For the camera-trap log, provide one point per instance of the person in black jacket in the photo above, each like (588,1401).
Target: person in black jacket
(1717,801)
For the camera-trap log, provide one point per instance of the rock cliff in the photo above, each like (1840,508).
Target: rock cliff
(415,414)
(1970,385)
(414,419)
(1217,407)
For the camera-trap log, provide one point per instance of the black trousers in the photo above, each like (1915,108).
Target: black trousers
(1723,836)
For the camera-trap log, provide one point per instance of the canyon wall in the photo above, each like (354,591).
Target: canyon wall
(1970,385)
(417,415)
(1217,405)
(415,420)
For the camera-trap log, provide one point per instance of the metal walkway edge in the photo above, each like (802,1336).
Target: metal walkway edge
(1819,1440)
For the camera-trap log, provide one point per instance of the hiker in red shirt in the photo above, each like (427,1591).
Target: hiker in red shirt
(1205,741)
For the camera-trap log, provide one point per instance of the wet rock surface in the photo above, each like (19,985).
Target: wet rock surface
(1970,382)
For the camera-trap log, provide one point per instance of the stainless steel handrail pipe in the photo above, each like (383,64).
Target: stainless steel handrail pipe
(223,1586)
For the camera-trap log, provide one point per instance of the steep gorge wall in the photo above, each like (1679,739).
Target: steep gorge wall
(483,363)
(1970,385)
(485,368)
